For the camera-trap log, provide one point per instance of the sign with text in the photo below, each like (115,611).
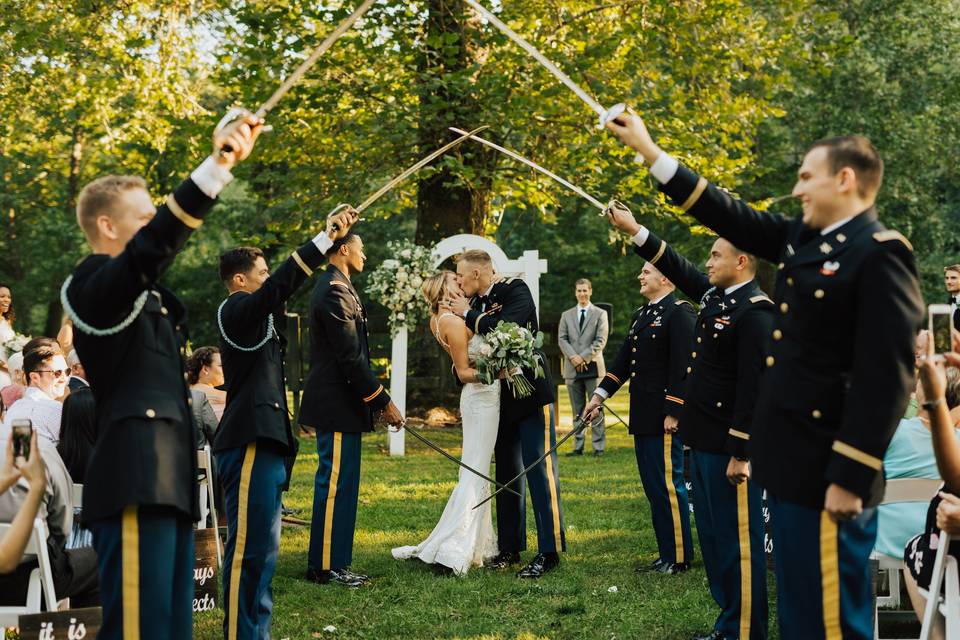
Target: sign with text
(206,573)
(72,624)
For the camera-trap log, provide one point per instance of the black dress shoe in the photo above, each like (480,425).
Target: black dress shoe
(713,635)
(540,564)
(598,454)
(672,568)
(343,577)
(502,560)
(655,566)
(575,452)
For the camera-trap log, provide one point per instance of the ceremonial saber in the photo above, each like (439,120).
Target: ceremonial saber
(452,459)
(605,114)
(614,413)
(530,163)
(299,72)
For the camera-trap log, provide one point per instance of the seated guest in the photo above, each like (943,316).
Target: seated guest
(78,377)
(910,455)
(78,432)
(15,541)
(41,341)
(46,372)
(10,394)
(15,366)
(205,373)
(74,570)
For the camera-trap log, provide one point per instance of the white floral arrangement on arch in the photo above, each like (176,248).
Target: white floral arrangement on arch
(396,283)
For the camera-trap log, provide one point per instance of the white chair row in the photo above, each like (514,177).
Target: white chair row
(945,566)
(208,505)
(41,579)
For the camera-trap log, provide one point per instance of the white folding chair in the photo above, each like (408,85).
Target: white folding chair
(207,503)
(40,581)
(77,495)
(945,565)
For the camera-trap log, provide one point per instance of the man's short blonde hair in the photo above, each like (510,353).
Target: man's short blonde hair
(476,256)
(953,267)
(98,197)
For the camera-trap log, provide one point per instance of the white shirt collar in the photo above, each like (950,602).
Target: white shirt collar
(730,290)
(586,308)
(657,301)
(836,225)
(37,394)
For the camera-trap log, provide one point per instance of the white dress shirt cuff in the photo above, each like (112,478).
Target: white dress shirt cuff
(640,237)
(664,168)
(601,392)
(323,242)
(211,177)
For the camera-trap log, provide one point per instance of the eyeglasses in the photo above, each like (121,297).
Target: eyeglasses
(57,373)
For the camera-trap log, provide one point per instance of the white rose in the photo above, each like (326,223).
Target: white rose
(390,264)
(401,276)
(401,317)
(416,282)
(405,253)
(486,350)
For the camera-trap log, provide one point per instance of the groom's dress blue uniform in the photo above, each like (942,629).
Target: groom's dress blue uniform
(339,400)
(837,383)
(527,430)
(653,360)
(252,441)
(140,497)
(726,361)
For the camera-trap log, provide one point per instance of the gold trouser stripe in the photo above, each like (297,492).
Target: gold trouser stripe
(551,481)
(130,560)
(303,265)
(695,195)
(331,500)
(830,577)
(663,247)
(855,454)
(746,568)
(672,494)
(181,215)
(236,566)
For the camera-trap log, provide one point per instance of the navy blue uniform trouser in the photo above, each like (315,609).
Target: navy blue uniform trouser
(660,461)
(146,559)
(519,443)
(335,494)
(823,572)
(730,528)
(252,478)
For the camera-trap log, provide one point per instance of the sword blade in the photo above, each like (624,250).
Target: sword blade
(614,413)
(410,170)
(436,448)
(530,163)
(549,66)
(299,72)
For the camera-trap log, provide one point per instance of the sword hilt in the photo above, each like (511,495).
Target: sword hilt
(232,114)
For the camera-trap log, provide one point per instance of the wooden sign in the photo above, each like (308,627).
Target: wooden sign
(206,573)
(73,624)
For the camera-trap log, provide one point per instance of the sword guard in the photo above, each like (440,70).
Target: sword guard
(232,114)
(612,113)
(336,209)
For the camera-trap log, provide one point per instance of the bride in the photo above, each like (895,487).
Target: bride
(464,536)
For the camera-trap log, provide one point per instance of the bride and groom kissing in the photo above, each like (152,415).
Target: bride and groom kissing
(464,306)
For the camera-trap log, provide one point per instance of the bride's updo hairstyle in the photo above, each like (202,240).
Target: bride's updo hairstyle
(433,289)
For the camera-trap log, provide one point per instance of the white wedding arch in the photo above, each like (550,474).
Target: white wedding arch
(528,266)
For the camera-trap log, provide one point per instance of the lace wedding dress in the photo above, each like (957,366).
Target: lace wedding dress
(464,536)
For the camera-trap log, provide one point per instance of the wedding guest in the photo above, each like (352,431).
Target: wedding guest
(205,374)
(15,367)
(15,541)
(74,570)
(7,316)
(42,341)
(46,372)
(951,281)
(78,376)
(78,432)
(582,335)
(11,394)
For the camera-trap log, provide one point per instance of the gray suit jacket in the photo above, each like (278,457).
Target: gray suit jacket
(588,344)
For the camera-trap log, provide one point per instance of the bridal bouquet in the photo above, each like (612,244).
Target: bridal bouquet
(511,348)
(16,343)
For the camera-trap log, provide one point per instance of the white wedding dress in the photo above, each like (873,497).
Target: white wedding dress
(464,536)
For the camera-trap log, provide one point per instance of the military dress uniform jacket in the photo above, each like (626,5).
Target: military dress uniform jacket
(341,392)
(256,395)
(727,354)
(654,357)
(145,453)
(515,305)
(840,368)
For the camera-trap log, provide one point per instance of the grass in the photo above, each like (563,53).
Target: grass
(608,534)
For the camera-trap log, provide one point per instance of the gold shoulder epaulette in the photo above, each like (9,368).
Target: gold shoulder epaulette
(510,279)
(890,234)
(761,298)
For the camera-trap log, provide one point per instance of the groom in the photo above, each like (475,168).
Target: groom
(526,429)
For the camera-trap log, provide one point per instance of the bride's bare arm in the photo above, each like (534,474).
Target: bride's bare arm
(455,334)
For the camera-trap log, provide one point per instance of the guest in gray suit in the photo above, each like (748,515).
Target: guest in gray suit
(582,335)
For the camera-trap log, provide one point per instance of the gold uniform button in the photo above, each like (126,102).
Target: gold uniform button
(276,404)
(689,369)
(818,294)
(816,414)
(693,355)
(777,334)
(784,307)
(699,339)
(186,376)
(780,266)
(164,311)
(790,282)
(654,336)
(634,350)
(151,413)
(719,405)
(770,361)
(716,335)
(633,375)
(633,362)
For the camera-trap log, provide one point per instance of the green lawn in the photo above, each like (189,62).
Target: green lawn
(608,534)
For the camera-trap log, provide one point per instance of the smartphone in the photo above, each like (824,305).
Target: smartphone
(941,328)
(22,431)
